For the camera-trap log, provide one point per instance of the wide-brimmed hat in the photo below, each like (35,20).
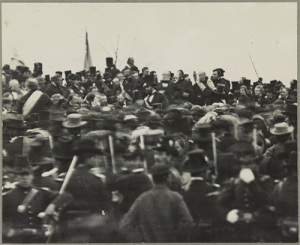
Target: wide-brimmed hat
(74,121)
(197,161)
(220,89)
(281,128)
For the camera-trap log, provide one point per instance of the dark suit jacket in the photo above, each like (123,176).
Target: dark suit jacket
(198,203)
(88,190)
(52,89)
(160,98)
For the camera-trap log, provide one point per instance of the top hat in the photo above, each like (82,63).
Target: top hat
(235,85)
(92,70)
(281,128)
(273,82)
(290,109)
(202,132)
(196,162)
(67,73)
(247,83)
(59,73)
(73,121)
(159,170)
(47,79)
(109,61)
(38,66)
(220,89)
(21,165)
(150,81)
(63,148)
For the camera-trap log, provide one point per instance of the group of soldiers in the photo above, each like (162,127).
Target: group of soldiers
(123,157)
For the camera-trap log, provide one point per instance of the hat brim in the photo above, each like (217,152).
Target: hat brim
(290,129)
(67,125)
(216,92)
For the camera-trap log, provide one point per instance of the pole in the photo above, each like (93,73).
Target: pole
(112,153)
(255,139)
(214,153)
(68,175)
(143,148)
(253,65)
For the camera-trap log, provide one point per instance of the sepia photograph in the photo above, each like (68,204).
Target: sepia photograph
(131,122)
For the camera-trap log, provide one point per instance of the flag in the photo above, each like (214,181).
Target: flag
(16,60)
(87,58)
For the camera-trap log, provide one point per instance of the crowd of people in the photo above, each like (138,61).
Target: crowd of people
(122,157)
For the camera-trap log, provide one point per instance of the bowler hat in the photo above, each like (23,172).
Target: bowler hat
(196,162)
(21,165)
(159,170)
(281,128)
(220,89)
(74,121)
(63,148)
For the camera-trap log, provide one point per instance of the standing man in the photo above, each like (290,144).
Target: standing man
(201,89)
(55,86)
(218,77)
(23,204)
(158,215)
(153,96)
(111,67)
(131,65)
(188,92)
(34,101)
(259,99)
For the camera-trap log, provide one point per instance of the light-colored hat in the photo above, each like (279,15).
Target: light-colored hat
(74,121)
(281,128)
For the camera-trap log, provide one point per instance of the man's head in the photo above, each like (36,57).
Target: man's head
(126,73)
(166,75)
(202,76)
(31,83)
(24,179)
(57,79)
(219,72)
(149,89)
(14,85)
(121,77)
(135,75)
(116,82)
(258,91)
(120,98)
(284,92)
(145,71)
(160,174)
(130,61)
(243,90)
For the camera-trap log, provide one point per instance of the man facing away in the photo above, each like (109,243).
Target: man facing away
(158,215)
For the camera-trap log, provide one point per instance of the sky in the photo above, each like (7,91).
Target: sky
(162,36)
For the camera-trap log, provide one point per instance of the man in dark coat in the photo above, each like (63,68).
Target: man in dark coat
(158,215)
(111,67)
(131,65)
(87,189)
(218,77)
(55,87)
(201,90)
(259,98)
(34,101)
(188,92)
(23,204)
(196,195)
(153,96)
